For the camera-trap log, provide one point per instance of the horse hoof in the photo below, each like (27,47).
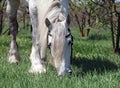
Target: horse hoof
(13,59)
(38,69)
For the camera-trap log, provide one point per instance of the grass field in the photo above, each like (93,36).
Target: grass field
(93,64)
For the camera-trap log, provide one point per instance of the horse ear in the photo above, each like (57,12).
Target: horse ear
(48,23)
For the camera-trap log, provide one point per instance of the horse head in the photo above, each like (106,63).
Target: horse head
(59,42)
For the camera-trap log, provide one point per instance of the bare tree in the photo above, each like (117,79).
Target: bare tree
(2,3)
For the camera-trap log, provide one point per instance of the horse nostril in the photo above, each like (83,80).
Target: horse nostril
(69,42)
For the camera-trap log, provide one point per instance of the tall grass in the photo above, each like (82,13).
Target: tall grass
(94,65)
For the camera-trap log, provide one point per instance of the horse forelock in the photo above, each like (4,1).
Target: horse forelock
(59,41)
(53,6)
(56,11)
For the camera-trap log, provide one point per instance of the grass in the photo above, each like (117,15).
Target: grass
(94,65)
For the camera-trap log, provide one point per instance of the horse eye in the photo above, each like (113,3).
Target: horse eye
(70,42)
(49,45)
(50,34)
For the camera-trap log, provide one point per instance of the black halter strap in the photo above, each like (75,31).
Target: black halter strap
(68,35)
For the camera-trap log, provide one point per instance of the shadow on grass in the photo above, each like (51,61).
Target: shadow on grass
(98,37)
(97,65)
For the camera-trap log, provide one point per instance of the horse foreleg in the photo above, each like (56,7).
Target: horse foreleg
(35,58)
(12,6)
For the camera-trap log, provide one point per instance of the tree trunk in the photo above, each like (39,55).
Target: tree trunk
(112,29)
(72,7)
(1,19)
(80,28)
(117,49)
